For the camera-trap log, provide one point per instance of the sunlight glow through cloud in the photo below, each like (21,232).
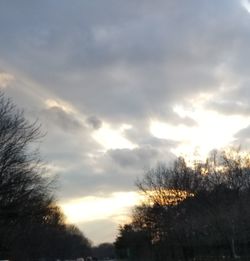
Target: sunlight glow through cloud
(113,138)
(100,89)
(213,131)
(5,79)
(60,104)
(246,5)
(92,208)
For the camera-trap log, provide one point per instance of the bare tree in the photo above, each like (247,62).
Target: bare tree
(31,224)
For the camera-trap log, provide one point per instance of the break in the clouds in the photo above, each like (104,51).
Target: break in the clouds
(122,85)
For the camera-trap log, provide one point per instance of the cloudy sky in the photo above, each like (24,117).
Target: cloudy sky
(122,85)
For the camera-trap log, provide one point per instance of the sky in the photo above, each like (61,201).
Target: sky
(120,86)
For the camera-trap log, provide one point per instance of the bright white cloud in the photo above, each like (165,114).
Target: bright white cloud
(111,138)
(213,131)
(246,5)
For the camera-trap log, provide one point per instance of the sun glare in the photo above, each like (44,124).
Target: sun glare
(92,208)
(113,138)
(213,131)
(166,197)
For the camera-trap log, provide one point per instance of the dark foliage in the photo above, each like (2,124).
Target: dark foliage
(104,251)
(31,225)
(198,211)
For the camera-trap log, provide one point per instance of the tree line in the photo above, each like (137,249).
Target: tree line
(32,226)
(197,211)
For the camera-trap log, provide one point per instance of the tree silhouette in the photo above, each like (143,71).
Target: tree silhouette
(196,210)
(31,224)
